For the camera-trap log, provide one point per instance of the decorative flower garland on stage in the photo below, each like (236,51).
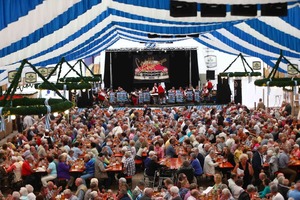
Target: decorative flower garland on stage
(239,74)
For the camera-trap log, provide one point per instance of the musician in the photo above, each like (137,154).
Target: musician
(112,96)
(134,97)
(197,94)
(209,85)
(102,97)
(189,93)
(172,94)
(161,94)
(154,93)
(205,91)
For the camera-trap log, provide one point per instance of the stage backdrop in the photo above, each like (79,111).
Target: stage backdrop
(141,69)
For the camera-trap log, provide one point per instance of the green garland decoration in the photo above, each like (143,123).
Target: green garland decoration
(30,106)
(271,81)
(33,106)
(279,82)
(60,86)
(239,74)
(80,79)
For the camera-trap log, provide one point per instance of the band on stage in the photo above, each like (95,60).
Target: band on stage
(156,95)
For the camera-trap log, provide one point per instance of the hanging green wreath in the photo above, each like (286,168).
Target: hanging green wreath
(80,79)
(279,82)
(239,74)
(63,86)
(29,106)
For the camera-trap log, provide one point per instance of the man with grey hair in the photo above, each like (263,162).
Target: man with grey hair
(129,164)
(174,191)
(148,193)
(209,164)
(247,194)
(69,195)
(139,189)
(283,162)
(15,195)
(274,192)
(23,193)
(31,195)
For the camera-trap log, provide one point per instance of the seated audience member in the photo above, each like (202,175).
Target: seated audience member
(69,195)
(52,171)
(139,189)
(209,164)
(89,164)
(226,194)
(196,165)
(248,193)
(174,192)
(274,193)
(153,166)
(81,188)
(148,193)
(295,194)
(188,170)
(266,190)
(283,165)
(170,151)
(283,186)
(192,187)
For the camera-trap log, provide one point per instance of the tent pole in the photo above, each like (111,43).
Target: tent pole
(110,71)
(190,69)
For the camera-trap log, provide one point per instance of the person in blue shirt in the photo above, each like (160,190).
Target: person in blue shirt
(295,194)
(197,166)
(170,151)
(89,167)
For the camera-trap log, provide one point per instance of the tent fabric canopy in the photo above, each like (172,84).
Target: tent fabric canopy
(44,31)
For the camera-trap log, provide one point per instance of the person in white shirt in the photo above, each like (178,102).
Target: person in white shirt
(209,164)
(274,192)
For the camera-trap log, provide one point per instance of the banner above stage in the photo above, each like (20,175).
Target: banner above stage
(151,67)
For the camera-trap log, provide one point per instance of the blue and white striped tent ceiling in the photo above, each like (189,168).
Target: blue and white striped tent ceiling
(43,31)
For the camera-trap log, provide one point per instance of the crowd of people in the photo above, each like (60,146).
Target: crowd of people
(261,145)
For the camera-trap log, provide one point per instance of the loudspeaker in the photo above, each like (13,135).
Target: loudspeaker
(183,9)
(244,10)
(274,9)
(213,10)
(210,74)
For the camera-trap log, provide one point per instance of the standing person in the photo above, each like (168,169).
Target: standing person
(28,121)
(257,162)
(260,105)
(161,94)
(154,93)
(244,169)
(209,85)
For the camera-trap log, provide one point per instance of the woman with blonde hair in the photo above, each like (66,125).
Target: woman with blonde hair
(244,169)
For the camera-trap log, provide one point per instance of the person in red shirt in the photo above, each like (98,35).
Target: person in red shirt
(161,94)
(209,85)
(27,170)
